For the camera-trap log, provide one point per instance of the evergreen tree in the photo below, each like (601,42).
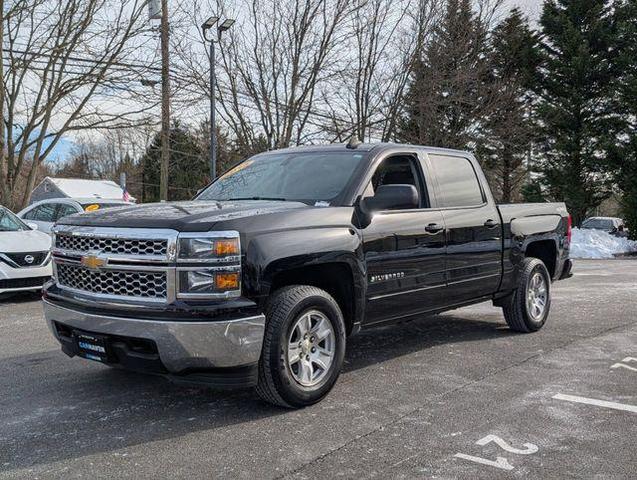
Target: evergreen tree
(449,91)
(509,128)
(575,107)
(532,192)
(188,170)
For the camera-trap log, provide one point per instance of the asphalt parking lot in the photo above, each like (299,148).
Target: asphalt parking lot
(453,396)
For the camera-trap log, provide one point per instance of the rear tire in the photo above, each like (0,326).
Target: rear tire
(303,347)
(527,309)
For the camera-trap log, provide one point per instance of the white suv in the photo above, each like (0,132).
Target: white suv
(25,255)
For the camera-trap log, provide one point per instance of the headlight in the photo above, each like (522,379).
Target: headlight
(209,265)
(208,248)
(207,281)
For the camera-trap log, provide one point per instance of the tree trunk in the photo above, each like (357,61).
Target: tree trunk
(4,186)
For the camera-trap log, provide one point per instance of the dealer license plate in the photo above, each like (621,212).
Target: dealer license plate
(92,346)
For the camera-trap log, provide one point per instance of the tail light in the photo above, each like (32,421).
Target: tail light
(569,229)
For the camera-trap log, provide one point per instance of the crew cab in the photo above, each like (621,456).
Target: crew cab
(261,279)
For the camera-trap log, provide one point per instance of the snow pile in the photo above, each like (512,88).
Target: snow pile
(599,244)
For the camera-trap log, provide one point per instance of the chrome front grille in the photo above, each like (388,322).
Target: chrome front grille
(146,285)
(116,265)
(127,266)
(119,246)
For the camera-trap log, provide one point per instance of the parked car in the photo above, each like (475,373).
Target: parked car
(45,213)
(613,225)
(25,258)
(260,280)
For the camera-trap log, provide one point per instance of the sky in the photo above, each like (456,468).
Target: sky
(531,8)
(61,152)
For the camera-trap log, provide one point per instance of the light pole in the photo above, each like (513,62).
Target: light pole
(205,27)
(165,104)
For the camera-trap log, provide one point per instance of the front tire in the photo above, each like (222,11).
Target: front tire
(527,309)
(303,347)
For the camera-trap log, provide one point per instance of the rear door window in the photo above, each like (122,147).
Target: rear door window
(42,213)
(458,182)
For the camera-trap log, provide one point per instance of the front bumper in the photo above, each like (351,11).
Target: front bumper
(21,279)
(183,347)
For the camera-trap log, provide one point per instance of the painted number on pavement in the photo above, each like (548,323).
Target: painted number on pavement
(624,362)
(499,462)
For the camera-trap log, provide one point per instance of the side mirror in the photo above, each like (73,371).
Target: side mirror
(392,197)
(32,226)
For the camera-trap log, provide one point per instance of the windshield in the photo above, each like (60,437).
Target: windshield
(10,223)
(598,224)
(308,177)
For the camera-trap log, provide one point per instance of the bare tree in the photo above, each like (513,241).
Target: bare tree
(103,154)
(66,69)
(273,66)
(296,71)
(387,36)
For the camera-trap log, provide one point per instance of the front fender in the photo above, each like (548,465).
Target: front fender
(269,254)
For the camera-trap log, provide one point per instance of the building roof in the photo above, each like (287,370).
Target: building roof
(86,189)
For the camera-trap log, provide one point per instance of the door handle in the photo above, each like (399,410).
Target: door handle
(433,228)
(490,223)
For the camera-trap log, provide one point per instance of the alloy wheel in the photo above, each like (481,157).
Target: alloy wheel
(536,296)
(311,348)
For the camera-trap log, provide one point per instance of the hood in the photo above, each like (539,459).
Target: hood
(195,216)
(24,241)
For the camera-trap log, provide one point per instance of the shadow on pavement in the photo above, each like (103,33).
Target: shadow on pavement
(53,408)
(381,344)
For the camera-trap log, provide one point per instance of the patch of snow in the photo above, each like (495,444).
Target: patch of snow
(599,244)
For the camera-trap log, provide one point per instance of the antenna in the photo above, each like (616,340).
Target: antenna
(353,142)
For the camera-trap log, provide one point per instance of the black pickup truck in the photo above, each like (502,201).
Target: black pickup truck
(260,280)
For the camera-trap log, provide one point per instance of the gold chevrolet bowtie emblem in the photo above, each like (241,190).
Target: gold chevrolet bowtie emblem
(93,262)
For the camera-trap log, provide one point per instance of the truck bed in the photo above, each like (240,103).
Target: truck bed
(511,211)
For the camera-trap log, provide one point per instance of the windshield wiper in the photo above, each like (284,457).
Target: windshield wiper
(255,198)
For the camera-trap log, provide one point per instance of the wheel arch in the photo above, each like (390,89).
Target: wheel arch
(329,258)
(545,250)
(336,278)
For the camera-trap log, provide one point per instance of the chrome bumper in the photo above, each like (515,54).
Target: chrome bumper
(181,345)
